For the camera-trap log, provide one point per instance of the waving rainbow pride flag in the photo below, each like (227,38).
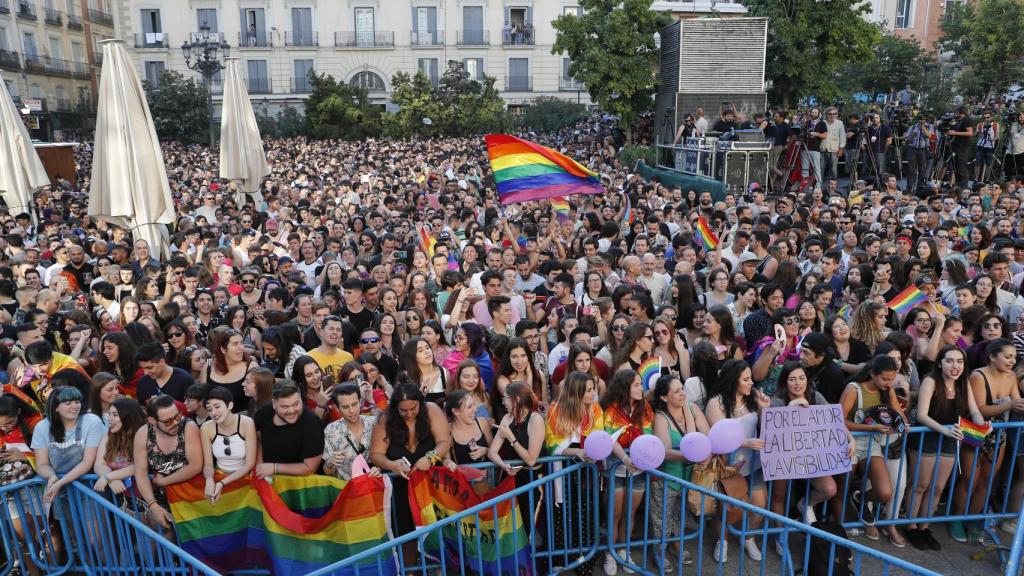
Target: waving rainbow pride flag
(706,235)
(904,301)
(491,542)
(294,526)
(525,171)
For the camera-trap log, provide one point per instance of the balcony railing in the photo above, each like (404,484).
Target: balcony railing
(80,70)
(151,40)
(364,39)
(53,17)
(427,38)
(199,37)
(518,37)
(35,63)
(97,56)
(301,38)
(569,84)
(255,39)
(5,7)
(62,105)
(27,11)
(259,85)
(519,84)
(301,85)
(9,59)
(74,21)
(474,37)
(99,17)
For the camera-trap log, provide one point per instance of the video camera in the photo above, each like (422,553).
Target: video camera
(946,122)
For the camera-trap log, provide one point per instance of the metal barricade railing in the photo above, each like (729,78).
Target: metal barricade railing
(693,547)
(27,534)
(565,535)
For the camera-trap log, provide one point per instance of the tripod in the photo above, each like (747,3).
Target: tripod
(945,157)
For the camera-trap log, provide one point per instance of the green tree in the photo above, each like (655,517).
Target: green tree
(178,107)
(986,38)
(549,114)
(289,123)
(335,109)
(611,51)
(458,106)
(897,62)
(415,98)
(808,41)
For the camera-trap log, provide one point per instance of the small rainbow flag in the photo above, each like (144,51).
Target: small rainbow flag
(706,235)
(525,171)
(427,242)
(561,207)
(628,216)
(650,371)
(974,435)
(493,541)
(906,300)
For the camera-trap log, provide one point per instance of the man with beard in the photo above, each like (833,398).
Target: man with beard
(290,435)
(252,299)
(78,267)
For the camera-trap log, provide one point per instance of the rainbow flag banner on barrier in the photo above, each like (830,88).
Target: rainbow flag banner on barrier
(294,525)
(492,542)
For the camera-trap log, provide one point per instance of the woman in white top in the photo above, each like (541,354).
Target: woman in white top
(229,443)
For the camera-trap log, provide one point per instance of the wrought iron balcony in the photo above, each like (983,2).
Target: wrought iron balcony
(53,17)
(364,39)
(473,37)
(98,17)
(427,38)
(301,38)
(519,84)
(151,40)
(255,39)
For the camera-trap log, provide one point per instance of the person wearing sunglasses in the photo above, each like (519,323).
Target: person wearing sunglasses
(370,342)
(770,352)
(229,443)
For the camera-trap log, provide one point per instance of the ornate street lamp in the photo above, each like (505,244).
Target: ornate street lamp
(204,55)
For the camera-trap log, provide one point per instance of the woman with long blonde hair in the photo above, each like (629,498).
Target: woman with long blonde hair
(868,324)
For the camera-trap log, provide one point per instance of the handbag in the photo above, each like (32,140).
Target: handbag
(716,475)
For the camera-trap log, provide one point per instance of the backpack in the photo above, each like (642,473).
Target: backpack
(821,550)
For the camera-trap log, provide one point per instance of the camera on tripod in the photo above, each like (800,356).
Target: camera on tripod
(946,122)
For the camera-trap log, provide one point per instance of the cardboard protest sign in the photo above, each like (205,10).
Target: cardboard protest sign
(804,442)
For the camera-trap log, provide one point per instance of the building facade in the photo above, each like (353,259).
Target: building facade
(363,41)
(919,19)
(47,60)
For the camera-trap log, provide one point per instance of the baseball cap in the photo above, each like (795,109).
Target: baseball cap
(748,257)
(815,342)
(284,260)
(923,280)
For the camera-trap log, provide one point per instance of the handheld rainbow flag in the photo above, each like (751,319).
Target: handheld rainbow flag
(294,526)
(426,242)
(906,300)
(561,207)
(650,371)
(525,171)
(628,216)
(492,541)
(974,435)
(706,235)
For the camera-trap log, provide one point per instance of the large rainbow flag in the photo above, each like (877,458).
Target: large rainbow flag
(491,542)
(294,525)
(525,171)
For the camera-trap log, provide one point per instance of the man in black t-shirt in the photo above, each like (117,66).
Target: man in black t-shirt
(160,378)
(960,141)
(814,131)
(291,437)
(726,123)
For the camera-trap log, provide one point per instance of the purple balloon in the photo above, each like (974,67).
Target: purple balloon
(647,452)
(598,445)
(695,446)
(726,436)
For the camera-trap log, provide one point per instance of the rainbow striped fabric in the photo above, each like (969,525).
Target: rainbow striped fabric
(525,171)
(491,542)
(706,235)
(628,216)
(294,526)
(426,242)
(974,434)
(561,207)
(904,301)
(650,371)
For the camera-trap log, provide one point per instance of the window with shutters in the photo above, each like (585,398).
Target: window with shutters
(424,27)
(474,68)
(904,14)
(428,66)
(207,17)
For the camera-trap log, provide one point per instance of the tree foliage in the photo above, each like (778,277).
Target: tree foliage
(336,109)
(612,52)
(457,106)
(549,114)
(986,38)
(178,107)
(809,40)
(897,62)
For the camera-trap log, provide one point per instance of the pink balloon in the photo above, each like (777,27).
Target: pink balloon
(696,447)
(598,445)
(647,452)
(726,436)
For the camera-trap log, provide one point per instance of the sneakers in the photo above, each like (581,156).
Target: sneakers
(722,551)
(956,532)
(863,509)
(1008,526)
(687,558)
(611,567)
(916,538)
(752,550)
(626,561)
(806,512)
(929,538)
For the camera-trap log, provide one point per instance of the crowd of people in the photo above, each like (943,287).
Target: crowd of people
(298,332)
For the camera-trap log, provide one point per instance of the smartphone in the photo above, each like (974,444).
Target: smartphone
(401,254)
(588,310)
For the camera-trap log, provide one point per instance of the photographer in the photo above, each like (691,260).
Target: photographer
(814,131)
(918,138)
(960,141)
(854,143)
(988,133)
(1013,164)
(879,139)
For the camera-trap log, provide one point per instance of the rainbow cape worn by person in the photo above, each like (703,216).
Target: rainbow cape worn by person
(561,207)
(619,425)
(491,542)
(426,242)
(525,171)
(904,301)
(650,371)
(974,434)
(294,525)
(706,235)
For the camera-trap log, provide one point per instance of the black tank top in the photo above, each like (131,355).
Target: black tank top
(460,452)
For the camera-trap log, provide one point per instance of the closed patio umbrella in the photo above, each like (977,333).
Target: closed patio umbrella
(242,158)
(21,171)
(129,182)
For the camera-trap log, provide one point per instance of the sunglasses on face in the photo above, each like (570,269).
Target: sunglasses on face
(373,340)
(175,334)
(791,321)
